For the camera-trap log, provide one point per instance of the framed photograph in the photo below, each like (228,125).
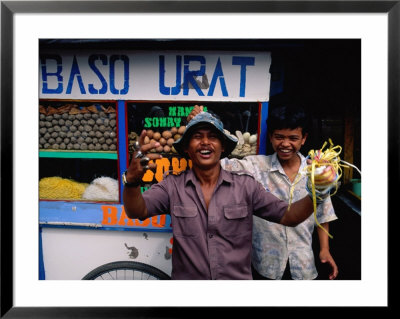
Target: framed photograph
(26,24)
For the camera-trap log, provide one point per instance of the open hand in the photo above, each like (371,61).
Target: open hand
(142,160)
(326,257)
(196,110)
(323,175)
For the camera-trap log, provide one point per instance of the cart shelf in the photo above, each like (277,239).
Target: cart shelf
(78,154)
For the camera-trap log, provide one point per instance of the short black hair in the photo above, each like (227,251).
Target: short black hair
(288,116)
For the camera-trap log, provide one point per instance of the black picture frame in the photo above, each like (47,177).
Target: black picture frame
(9,8)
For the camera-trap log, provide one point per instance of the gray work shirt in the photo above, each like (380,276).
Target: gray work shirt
(214,243)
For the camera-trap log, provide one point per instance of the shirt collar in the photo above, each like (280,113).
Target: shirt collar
(225,176)
(276,165)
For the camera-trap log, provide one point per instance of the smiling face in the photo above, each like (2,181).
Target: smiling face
(287,142)
(205,147)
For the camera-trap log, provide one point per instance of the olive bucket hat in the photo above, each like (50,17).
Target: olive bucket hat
(205,118)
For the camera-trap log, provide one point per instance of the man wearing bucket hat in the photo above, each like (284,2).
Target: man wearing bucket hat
(281,252)
(211,209)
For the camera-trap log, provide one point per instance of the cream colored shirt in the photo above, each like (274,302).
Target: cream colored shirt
(275,244)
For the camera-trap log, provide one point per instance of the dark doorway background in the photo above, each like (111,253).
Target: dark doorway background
(325,77)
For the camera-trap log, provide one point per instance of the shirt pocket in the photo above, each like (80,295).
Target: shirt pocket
(237,220)
(185,221)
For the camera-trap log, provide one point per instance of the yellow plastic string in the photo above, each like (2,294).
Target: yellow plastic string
(297,179)
(319,158)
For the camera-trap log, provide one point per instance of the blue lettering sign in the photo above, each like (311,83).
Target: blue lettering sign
(125,60)
(170,90)
(92,60)
(189,76)
(75,72)
(218,74)
(46,74)
(242,61)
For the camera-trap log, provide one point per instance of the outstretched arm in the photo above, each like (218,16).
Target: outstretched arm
(298,212)
(134,204)
(302,209)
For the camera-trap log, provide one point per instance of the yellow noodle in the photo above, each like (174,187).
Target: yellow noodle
(329,157)
(60,188)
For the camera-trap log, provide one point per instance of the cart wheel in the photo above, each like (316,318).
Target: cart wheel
(126,270)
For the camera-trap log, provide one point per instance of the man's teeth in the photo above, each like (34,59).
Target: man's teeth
(285,151)
(205,152)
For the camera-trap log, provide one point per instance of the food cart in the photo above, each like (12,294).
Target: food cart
(93,104)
